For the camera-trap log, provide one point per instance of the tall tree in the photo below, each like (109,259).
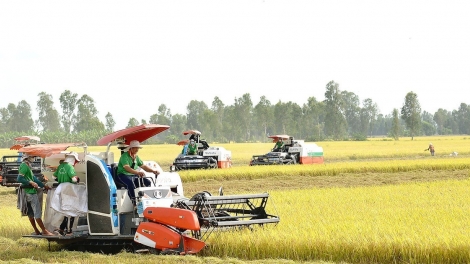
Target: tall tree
(462,117)
(231,127)
(313,119)
(18,117)
(68,103)
(218,108)
(110,123)
(244,111)
(48,115)
(428,125)
(335,122)
(382,125)
(411,114)
(440,117)
(395,129)
(263,115)
(195,110)
(369,115)
(87,115)
(352,112)
(4,119)
(178,125)
(132,122)
(162,117)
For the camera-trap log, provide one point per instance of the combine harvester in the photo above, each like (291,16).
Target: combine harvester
(293,152)
(10,164)
(206,158)
(165,221)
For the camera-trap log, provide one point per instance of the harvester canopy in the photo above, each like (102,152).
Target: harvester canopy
(191,132)
(23,141)
(46,150)
(139,133)
(182,142)
(277,137)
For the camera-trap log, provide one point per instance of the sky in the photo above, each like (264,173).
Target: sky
(133,56)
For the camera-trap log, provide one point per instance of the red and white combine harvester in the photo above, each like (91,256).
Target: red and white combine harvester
(164,222)
(292,152)
(206,157)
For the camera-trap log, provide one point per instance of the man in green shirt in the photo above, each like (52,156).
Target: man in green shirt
(192,147)
(66,173)
(279,145)
(128,166)
(27,178)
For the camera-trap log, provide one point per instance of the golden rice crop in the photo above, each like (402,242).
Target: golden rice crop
(419,222)
(330,169)
(412,223)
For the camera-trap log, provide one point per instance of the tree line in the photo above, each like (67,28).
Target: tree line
(340,116)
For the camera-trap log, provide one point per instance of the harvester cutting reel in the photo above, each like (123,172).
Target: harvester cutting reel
(227,212)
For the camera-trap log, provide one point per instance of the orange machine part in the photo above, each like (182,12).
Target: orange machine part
(224,164)
(192,245)
(311,160)
(163,237)
(179,218)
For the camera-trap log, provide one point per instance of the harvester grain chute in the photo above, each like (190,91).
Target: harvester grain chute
(164,221)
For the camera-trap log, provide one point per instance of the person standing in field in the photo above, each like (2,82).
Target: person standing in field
(34,207)
(431,149)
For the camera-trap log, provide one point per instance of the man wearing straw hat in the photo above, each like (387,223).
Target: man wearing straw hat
(128,166)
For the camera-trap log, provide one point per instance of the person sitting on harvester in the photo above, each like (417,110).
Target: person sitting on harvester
(128,166)
(279,145)
(192,147)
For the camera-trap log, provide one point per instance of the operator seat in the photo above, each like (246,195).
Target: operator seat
(117,181)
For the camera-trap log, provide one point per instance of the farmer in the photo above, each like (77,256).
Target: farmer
(279,145)
(66,173)
(431,149)
(128,166)
(192,147)
(34,207)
